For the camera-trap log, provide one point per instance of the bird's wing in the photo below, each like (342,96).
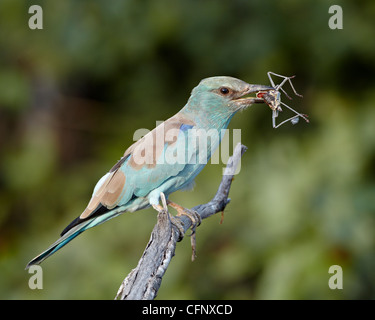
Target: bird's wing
(145,166)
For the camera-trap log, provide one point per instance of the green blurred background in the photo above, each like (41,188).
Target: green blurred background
(73,94)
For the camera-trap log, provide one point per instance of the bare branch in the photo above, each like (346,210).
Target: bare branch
(143,282)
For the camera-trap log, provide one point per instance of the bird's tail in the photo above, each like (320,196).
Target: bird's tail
(67,237)
(74,232)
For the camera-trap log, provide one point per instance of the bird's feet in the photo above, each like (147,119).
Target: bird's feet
(176,222)
(191,214)
(195,222)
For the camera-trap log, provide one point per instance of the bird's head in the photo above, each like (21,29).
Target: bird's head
(224,95)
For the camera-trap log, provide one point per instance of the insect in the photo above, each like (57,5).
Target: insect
(273,99)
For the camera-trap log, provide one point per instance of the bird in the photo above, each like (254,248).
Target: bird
(164,160)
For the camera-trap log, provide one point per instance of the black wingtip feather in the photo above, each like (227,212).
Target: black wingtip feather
(97,212)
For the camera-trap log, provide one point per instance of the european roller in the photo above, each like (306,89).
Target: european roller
(166,159)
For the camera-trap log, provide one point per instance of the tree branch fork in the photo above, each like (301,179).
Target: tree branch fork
(144,281)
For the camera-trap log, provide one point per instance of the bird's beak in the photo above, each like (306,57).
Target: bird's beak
(241,101)
(258,87)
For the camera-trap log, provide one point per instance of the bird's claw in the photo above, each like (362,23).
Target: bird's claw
(194,217)
(181,211)
(195,222)
(179,225)
(176,222)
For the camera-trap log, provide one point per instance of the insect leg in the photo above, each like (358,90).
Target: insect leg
(275,114)
(285,93)
(294,90)
(298,114)
(279,86)
(290,119)
(269,77)
(278,75)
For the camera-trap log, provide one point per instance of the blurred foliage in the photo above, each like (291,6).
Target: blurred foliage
(73,94)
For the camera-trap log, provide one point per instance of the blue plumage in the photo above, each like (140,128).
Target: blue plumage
(165,160)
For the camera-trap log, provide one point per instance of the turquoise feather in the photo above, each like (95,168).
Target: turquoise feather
(150,166)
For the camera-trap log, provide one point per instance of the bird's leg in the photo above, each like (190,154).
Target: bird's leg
(191,214)
(195,220)
(174,221)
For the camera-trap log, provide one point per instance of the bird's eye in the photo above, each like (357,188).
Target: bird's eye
(224,90)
